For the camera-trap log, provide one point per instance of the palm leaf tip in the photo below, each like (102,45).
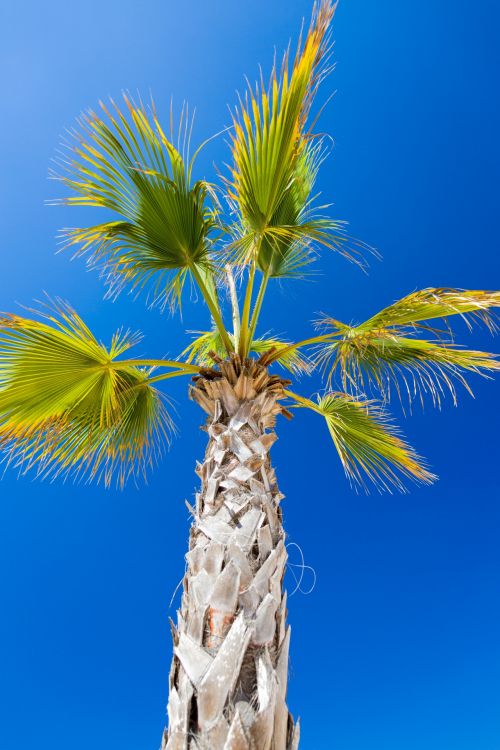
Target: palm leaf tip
(163,222)
(68,407)
(369,446)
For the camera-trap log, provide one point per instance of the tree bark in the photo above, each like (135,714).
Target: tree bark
(228,679)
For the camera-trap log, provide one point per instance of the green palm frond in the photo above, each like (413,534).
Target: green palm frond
(207,343)
(369,446)
(286,243)
(67,406)
(389,350)
(275,163)
(284,246)
(268,141)
(285,250)
(164,224)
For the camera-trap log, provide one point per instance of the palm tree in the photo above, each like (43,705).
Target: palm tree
(70,405)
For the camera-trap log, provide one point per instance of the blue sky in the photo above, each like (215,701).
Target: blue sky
(397,646)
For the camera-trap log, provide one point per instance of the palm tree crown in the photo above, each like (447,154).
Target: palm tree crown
(69,404)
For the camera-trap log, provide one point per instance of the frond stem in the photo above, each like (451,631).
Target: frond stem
(299,344)
(214,309)
(167,375)
(184,366)
(258,303)
(245,340)
(302,401)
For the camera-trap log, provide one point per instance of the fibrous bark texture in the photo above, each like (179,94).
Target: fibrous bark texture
(229,672)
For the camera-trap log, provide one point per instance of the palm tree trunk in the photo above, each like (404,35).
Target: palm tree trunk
(228,679)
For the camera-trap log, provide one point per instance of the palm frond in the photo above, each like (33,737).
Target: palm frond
(369,446)
(284,250)
(275,163)
(431,303)
(67,406)
(268,140)
(164,224)
(206,343)
(389,350)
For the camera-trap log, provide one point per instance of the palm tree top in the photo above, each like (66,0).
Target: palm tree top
(68,404)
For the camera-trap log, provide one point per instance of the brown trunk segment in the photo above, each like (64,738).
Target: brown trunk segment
(228,679)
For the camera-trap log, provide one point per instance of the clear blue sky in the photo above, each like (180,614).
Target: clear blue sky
(398,646)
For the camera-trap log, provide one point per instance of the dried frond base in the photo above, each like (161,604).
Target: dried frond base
(228,679)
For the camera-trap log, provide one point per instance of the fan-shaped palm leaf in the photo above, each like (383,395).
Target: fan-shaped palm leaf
(388,349)
(67,405)
(165,223)
(268,140)
(275,162)
(368,444)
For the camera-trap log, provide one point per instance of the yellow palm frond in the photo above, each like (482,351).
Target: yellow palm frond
(389,348)
(367,442)
(431,303)
(68,406)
